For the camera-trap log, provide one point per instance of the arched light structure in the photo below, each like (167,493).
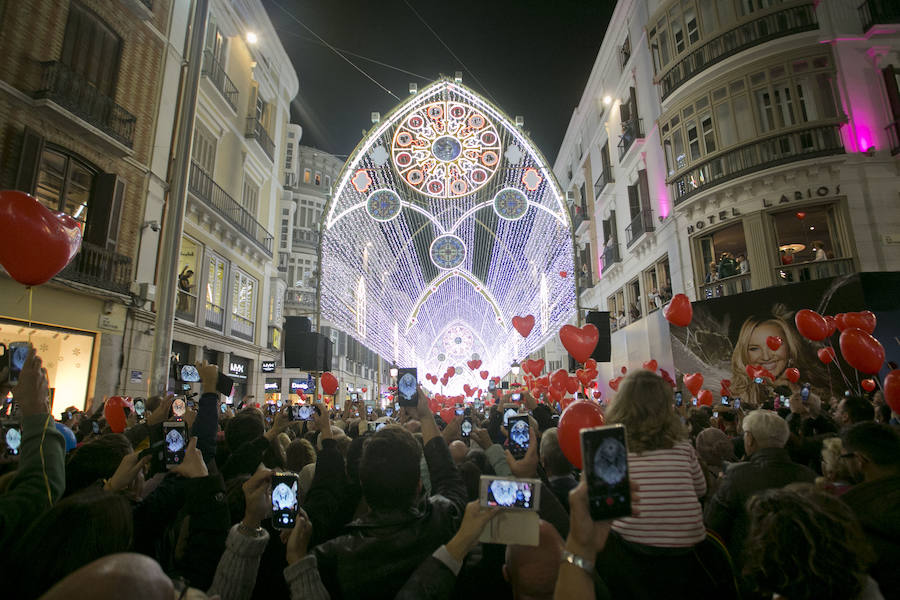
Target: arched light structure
(445,223)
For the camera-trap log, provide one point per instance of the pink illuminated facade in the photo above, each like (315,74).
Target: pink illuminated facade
(722,146)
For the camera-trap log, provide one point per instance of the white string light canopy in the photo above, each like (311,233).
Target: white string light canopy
(445,223)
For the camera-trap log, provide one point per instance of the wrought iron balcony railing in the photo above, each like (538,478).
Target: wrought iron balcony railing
(213,69)
(202,186)
(817,269)
(641,223)
(728,286)
(610,256)
(878,12)
(631,130)
(99,268)
(73,92)
(789,21)
(782,148)
(606,177)
(256,131)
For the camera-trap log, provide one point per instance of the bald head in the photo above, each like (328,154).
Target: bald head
(532,570)
(131,575)
(458,451)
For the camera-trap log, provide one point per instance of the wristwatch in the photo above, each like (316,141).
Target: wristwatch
(578,561)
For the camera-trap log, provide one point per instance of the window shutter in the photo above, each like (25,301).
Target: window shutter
(624,112)
(893,94)
(644,188)
(105,211)
(612,225)
(634,201)
(29,161)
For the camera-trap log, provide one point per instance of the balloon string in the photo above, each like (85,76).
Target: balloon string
(30,291)
(837,363)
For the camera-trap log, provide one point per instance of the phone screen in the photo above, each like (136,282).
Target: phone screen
(368,410)
(189,373)
(785,402)
(604,453)
(465,427)
(678,399)
(12,437)
(804,394)
(303,412)
(178,407)
(18,352)
(693,402)
(407,383)
(716,415)
(223,408)
(492,386)
(737,402)
(388,411)
(460,410)
(516,397)
(139,407)
(518,435)
(509,412)
(284,500)
(724,400)
(509,493)
(371,426)
(175,436)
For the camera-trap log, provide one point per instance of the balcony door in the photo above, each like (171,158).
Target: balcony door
(91,49)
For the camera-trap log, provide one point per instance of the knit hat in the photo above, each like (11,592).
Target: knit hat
(714,446)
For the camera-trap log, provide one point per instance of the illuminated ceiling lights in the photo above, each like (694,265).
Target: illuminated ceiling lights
(445,224)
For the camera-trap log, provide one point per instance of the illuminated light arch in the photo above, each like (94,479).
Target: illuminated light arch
(498,263)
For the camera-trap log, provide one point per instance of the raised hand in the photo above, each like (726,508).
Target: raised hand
(525,467)
(193,465)
(296,541)
(474,520)
(32,391)
(256,497)
(128,470)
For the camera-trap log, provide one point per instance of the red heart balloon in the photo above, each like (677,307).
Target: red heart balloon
(826,355)
(484,374)
(580,343)
(329,383)
(563,274)
(774,342)
(597,395)
(832,324)
(584,376)
(590,364)
(114,411)
(390,397)
(593,384)
(577,416)
(705,398)
(679,311)
(523,325)
(693,382)
(444,381)
(862,351)
(868,385)
(451,371)
(495,379)
(624,369)
(469,390)
(537,367)
(35,242)
(572,385)
(473,364)
(892,390)
(651,365)
(614,383)
(364,390)
(792,374)
(448,413)
(864,320)
(811,325)
(559,378)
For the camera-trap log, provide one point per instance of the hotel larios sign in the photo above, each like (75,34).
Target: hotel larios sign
(724,215)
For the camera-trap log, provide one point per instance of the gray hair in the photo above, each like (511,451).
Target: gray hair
(768,429)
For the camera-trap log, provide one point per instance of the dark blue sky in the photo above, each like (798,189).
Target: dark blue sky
(531,57)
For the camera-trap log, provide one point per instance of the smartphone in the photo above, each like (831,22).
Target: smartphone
(371,426)
(737,403)
(465,428)
(271,408)
(757,380)
(604,454)
(509,411)
(224,384)
(16,354)
(223,408)
(693,402)
(716,415)
(407,386)
(518,435)
(12,437)
(554,421)
(510,493)
(140,408)
(460,410)
(175,436)
(303,412)
(679,399)
(785,401)
(178,407)
(188,373)
(492,386)
(389,411)
(284,500)
(191,404)
(95,427)
(279,403)
(725,401)
(804,393)
(516,397)
(368,410)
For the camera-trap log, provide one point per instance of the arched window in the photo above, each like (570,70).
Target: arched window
(64,183)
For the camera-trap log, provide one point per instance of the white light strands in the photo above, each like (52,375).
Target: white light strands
(462,226)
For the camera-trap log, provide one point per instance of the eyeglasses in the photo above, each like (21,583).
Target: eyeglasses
(181,586)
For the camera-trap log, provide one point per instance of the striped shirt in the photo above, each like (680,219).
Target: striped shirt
(670,483)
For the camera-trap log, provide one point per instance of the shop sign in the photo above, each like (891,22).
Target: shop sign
(722,215)
(272,386)
(268,366)
(137,376)
(298,385)
(821,192)
(238,368)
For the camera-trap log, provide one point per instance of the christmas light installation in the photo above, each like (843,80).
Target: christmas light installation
(444,224)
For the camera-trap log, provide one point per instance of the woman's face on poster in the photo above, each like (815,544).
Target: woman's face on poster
(759,354)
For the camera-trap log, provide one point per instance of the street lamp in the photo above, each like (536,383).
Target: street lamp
(252,37)
(394,372)
(515,368)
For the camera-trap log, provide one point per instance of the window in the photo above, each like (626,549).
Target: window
(91,49)
(188,277)
(204,150)
(318,179)
(328,181)
(285,230)
(720,262)
(289,156)
(633,298)
(216,268)
(216,42)
(307,174)
(250,196)
(64,183)
(243,296)
(658,285)
(800,234)
(618,313)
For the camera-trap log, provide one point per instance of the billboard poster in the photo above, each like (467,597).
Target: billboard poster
(756,329)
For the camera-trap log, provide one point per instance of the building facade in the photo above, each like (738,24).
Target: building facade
(80,90)
(727,146)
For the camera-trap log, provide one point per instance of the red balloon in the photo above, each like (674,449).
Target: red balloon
(580,343)
(597,395)
(469,390)
(868,385)
(444,381)
(364,390)
(590,364)
(832,324)
(329,383)
(390,397)
(36,243)
(556,394)
(584,376)
(863,352)
(679,311)
(451,371)
(892,390)
(577,416)
(705,398)
(693,382)
(614,383)
(864,320)
(523,325)
(564,402)
(572,385)
(473,364)
(811,325)
(801,215)
(774,342)
(624,369)
(559,378)
(651,365)
(484,374)
(826,355)
(792,374)
(114,411)
(448,413)
(563,274)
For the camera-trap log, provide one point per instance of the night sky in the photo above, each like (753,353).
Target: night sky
(531,57)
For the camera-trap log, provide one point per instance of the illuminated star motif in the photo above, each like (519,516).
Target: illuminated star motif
(532,179)
(448,251)
(511,204)
(361,181)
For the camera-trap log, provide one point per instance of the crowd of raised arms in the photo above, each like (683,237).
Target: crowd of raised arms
(272,502)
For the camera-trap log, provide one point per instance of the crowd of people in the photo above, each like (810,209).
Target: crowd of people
(750,502)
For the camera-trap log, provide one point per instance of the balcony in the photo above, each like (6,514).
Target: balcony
(789,21)
(256,131)
(606,177)
(631,131)
(818,269)
(186,306)
(204,188)
(99,268)
(641,224)
(306,238)
(214,316)
(783,148)
(728,286)
(72,92)
(579,218)
(893,134)
(241,328)
(610,256)
(878,12)
(216,73)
